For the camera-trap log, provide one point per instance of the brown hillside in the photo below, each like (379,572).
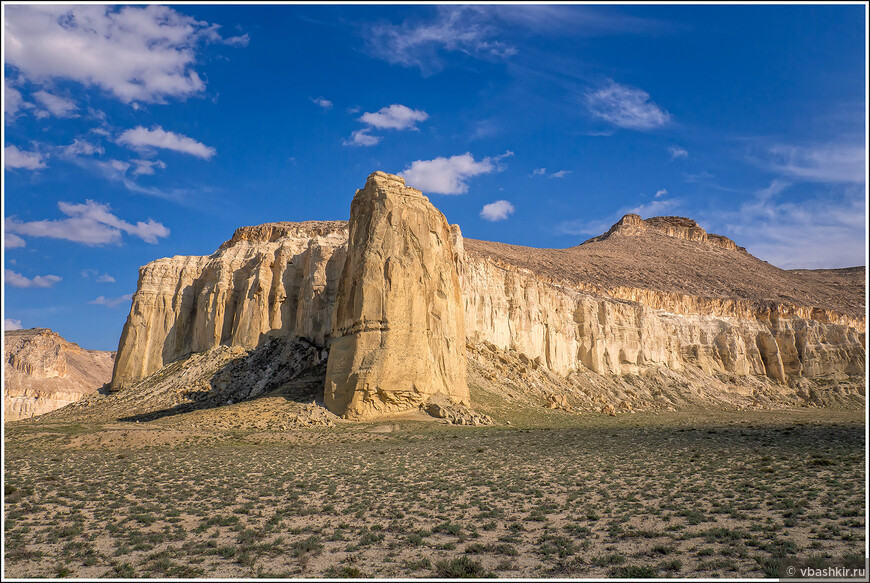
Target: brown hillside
(674,254)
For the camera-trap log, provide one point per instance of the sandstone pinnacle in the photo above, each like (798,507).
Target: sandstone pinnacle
(398,331)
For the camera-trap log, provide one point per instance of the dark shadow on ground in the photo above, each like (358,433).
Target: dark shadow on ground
(291,368)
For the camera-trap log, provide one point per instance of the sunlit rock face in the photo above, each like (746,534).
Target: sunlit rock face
(398,334)
(44,372)
(395,295)
(278,279)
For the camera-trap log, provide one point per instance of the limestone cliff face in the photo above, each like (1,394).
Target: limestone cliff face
(398,335)
(278,279)
(569,330)
(403,297)
(44,372)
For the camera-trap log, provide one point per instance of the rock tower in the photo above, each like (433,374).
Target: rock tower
(398,335)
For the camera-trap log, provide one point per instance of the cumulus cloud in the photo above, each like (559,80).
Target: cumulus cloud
(90,223)
(539,172)
(626,107)
(15,158)
(17,280)
(13,101)
(55,104)
(82,148)
(100,278)
(111,302)
(661,192)
(677,152)
(395,117)
(655,208)
(362,138)
(497,211)
(322,102)
(134,53)
(140,138)
(418,43)
(11,241)
(449,175)
(10,324)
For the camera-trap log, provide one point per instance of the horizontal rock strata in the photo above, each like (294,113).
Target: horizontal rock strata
(653,295)
(278,279)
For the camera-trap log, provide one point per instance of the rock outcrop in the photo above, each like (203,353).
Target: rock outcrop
(44,372)
(702,320)
(278,279)
(398,333)
(677,227)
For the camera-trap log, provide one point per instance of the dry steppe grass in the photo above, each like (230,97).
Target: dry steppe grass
(552,495)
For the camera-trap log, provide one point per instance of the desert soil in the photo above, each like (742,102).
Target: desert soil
(552,494)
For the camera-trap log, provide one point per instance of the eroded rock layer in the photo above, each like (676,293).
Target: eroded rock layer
(659,297)
(278,279)
(398,335)
(44,372)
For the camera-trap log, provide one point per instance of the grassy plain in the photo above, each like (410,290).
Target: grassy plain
(551,495)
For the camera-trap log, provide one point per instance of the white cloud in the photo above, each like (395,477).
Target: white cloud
(661,192)
(560,174)
(464,29)
(653,208)
(598,226)
(18,280)
(539,172)
(449,175)
(13,101)
(82,148)
(827,231)
(90,223)
(56,105)
(15,158)
(497,211)
(626,107)
(824,163)
(104,278)
(147,166)
(395,117)
(135,53)
(141,138)
(324,103)
(111,302)
(11,241)
(9,324)
(582,227)
(362,138)
(678,152)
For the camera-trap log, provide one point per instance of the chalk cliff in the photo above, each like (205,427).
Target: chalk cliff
(398,335)
(278,279)
(650,297)
(44,372)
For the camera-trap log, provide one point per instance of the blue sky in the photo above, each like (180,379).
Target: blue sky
(139,132)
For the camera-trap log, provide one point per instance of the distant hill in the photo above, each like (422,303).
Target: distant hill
(45,372)
(675,255)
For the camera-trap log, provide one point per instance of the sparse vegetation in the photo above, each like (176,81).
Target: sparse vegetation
(640,496)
